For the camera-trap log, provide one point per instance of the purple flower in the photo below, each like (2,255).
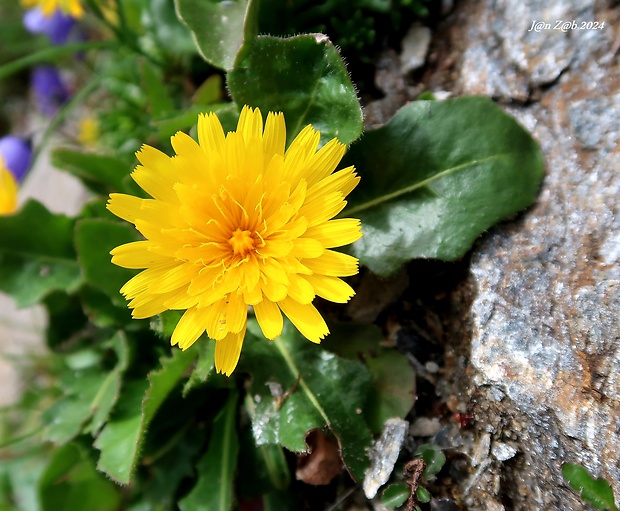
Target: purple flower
(49,89)
(16,154)
(56,27)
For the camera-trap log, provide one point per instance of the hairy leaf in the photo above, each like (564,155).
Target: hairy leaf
(122,437)
(37,254)
(594,491)
(220,29)
(214,488)
(299,386)
(305,78)
(436,177)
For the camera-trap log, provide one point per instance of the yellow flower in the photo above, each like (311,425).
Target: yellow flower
(8,191)
(88,131)
(48,7)
(234,221)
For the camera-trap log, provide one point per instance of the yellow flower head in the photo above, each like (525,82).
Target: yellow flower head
(234,221)
(8,191)
(88,131)
(48,7)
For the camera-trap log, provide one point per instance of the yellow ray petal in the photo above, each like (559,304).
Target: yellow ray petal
(300,290)
(175,278)
(216,319)
(331,288)
(210,133)
(324,162)
(323,208)
(236,312)
(124,206)
(142,280)
(227,351)
(269,318)
(250,125)
(306,319)
(189,328)
(333,264)
(136,255)
(343,181)
(299,153)
(307,247)
(336,233)
(275,135)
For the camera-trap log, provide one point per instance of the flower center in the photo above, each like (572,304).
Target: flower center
(242,242)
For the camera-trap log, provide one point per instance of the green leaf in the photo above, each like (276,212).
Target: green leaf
(94,239)
(88,392)
(597,492)
(36,254)
(109,392)
(305,78)
(395,495)
(392,393)
(436,177)
(262,468)
(168,126)
(210,92)
(433,457)
(214,488)
(64,420)
(70,481)
(102,312)
(220,29)
(204,366)
(100,173)
(122,437)
(156,92)
(423,495)
(299,386)
(173,36)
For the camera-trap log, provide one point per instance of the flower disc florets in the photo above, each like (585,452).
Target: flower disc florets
(235,220)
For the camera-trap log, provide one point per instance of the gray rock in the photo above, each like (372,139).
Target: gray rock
(513,47)
(414,48)
(541,370)
(383,455)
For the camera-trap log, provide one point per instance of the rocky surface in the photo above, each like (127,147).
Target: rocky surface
(530,375)
(540,369)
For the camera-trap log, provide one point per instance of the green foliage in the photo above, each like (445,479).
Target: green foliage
(597,492)
(317,92)
(433,457)
(214,487)
(37,254)
(356,26)
(316,389)
(123,435)
(395,495)
(101,173)
(220,29)
(437,176)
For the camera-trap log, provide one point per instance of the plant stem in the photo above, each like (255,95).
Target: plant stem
(50,54)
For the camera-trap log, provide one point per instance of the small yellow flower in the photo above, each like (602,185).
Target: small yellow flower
(48,7)
(88,131)
(234,221)
(8,191)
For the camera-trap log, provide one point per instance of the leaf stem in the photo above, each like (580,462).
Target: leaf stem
(49,54)
(302,383)
(80,96)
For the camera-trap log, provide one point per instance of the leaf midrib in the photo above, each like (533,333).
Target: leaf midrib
(302,383)
(421,184)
